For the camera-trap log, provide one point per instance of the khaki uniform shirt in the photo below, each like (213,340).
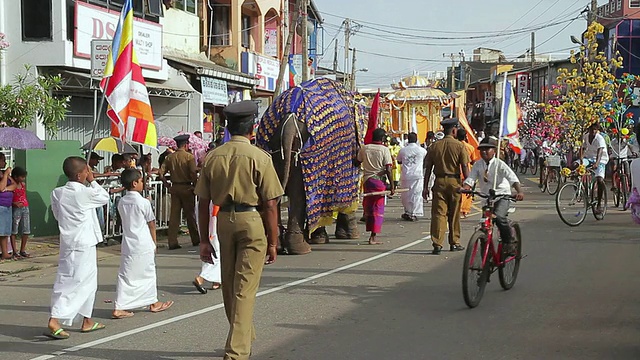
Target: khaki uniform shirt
(447,156)
(181,165)
(238,173)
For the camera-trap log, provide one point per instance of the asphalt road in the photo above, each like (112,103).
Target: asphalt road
(577,297)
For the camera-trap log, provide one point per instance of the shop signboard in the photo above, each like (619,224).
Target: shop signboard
(99,54)
(94,22)
(214,91)
(265,69)
(488,103)
(522,85)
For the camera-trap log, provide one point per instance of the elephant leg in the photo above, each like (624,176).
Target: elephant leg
(319,236)
(347,226)
(295,243)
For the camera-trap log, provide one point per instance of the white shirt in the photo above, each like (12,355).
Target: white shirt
(374,159)
(73,205)
(620,148)
(591,148)
(504,180)
(412,159)
(136,214)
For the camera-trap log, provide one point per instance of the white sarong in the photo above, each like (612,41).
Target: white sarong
(211,272)
(412,200)
(137,285)
(74,291)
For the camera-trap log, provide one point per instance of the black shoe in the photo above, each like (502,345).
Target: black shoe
(406,217)
(457,247)
(175,247)
(510,248)
(436,250)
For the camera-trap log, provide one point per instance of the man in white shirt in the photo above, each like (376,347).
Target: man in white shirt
(594,149)
(411,158)
(493,173)
(74,207)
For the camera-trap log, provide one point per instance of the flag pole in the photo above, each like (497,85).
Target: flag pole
(503,114)
(95,121)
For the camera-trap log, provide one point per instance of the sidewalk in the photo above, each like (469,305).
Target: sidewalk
(44,254)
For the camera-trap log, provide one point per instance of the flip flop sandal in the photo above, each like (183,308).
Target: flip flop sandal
(57,335)
(199,287)
(163,307)
(216,286)
(118,317)
(96,326)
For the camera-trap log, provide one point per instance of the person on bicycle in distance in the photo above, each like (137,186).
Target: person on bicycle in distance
(488,171)
(594,149)
(620,148)
(545,149)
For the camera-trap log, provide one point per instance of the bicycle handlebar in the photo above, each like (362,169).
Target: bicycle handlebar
(487,196)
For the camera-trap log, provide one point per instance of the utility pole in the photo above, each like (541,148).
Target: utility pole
(305,39)
(347,36)
(533,49)
(593,11)
(452,79)
(335,60)
(284,63)
(353,71)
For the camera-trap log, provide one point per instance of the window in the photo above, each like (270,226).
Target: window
(219,17)
(634,3)
(186,5)
(153,7)
(246,31)
(619,5)
(36,20)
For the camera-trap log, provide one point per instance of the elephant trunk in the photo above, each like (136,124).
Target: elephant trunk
(289,133)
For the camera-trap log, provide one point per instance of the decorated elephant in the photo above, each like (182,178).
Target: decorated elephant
(314,132)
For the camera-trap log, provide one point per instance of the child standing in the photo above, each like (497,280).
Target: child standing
(211,272)
(21,219)
(136,286)
(74,206)
(6,197)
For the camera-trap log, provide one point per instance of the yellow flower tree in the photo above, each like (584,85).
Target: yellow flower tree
(582,93)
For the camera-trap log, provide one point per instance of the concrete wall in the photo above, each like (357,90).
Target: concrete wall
(180,31)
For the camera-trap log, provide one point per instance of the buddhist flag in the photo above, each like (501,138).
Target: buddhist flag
(125,89)
(509,118)
(373,119)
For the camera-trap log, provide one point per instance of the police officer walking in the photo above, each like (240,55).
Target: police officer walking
(446,158)
(241,179)
(181,165)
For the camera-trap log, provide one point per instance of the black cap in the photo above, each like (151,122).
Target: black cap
(241,111)
(94,155)
(181,138)
(489,142)
(449,122)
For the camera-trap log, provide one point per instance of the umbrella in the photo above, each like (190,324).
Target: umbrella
(110,144)
(15,138)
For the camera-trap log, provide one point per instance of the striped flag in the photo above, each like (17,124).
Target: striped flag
(125,89)
(509,118)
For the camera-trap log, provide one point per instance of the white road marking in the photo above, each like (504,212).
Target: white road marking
(220,306)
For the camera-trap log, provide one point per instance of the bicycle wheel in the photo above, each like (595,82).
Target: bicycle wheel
(571,204)
(593,201)
(474,275)
(508,272)
(534,167)
(553,181)
(624,190)
(616,189)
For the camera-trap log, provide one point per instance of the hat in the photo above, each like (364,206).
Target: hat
(449,122)
(490,142)
(94,155)
(241,111)
(181,138)
(439,135)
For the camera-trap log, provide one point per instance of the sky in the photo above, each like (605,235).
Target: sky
(409,32)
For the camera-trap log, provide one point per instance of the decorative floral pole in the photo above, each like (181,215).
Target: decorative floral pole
(619,123)
(31,96)
(582,94)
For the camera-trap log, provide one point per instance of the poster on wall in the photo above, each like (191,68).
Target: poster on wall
(271,42)
(234,96)
(295,69)
(263,106)
(265,69)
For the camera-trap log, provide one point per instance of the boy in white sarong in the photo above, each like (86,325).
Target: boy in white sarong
(211,272)
(137,286)
(74,207)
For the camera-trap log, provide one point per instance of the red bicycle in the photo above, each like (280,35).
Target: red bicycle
(483,257)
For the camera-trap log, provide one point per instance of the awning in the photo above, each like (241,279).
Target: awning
(204,67)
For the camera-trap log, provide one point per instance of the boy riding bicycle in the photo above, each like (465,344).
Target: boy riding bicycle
(594,149)
(491,169)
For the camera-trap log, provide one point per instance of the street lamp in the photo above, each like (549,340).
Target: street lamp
(353,77)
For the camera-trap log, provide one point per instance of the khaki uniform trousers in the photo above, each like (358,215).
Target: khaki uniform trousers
(445,210)
(182,200)
(243,248)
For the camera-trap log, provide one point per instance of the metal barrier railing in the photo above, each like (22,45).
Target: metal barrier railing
(156,192)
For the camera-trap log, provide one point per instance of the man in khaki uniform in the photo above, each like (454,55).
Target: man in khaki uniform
(181,165)
(241,179)
(446,158)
